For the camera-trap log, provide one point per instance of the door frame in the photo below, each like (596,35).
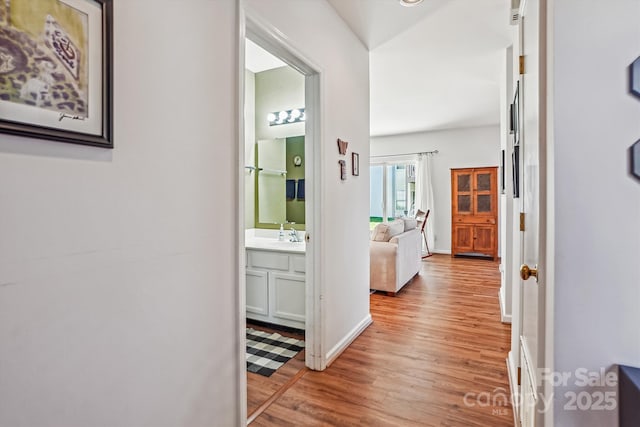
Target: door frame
(271,39)
(545,236)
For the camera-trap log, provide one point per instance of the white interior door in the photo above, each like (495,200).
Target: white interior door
(532,146)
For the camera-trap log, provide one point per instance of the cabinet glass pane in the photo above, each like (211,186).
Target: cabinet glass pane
(464,203)
(484,203)
(484,182)
(464,182)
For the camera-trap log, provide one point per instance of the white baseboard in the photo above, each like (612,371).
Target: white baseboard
(441,251)
(348,339)
(512,371)
(504,316)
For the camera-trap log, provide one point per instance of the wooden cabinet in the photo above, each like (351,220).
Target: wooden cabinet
(474,211)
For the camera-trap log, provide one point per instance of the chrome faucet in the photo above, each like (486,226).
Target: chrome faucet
(293,235)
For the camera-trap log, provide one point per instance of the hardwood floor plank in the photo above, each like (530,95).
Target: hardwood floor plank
(261,389)
(255,414)
(434,356)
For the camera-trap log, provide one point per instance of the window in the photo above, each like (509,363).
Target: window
(393,191)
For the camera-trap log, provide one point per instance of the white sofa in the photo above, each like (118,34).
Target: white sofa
(395,255)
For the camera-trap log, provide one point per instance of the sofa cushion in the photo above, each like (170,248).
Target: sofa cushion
(383,232)
(409,223)
(396,227)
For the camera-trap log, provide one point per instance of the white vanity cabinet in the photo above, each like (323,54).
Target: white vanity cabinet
(275,281)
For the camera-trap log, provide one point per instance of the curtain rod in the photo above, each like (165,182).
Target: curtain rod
(406,154)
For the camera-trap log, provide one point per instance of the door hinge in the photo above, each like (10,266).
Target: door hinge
(521,62)
(521,221)
(519,376)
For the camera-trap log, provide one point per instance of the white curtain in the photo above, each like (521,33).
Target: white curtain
(424,195)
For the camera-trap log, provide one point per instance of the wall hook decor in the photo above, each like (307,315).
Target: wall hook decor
(342,146)
(343,169)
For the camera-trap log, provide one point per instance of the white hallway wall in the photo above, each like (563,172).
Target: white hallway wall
(458,148)
(118,284)
(117,296)
(509,207)
(597,202)
(315,29)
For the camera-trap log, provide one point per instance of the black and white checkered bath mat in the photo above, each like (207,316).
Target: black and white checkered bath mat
(266,351)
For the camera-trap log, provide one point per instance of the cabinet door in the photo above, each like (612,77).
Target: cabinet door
(462,192)
(485,190)
(462,238)
(288,297)
(484,239)
(257,292)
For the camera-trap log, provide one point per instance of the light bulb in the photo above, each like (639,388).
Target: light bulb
(283,115)
(271,117)
(409,3)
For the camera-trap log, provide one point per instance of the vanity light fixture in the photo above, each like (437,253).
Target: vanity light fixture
(286,116)
(409,3)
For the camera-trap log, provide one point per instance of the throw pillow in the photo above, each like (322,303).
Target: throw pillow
(395,227)
(409,223)
(385,231)
(379,233)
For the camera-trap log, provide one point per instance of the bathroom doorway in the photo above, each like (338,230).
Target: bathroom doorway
(280,123)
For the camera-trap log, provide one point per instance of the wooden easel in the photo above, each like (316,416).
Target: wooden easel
(422,220)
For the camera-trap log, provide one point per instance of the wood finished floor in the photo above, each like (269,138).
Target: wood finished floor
(438,340)
(261,388)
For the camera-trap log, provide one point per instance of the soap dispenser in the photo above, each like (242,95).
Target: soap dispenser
(281,233)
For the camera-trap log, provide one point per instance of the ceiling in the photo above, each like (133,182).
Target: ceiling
(378,21)
(257,59)
(433,66)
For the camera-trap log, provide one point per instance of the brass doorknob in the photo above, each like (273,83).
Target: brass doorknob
(526,272)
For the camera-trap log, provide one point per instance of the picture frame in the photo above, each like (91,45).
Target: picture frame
(634,77)
(516,171)
(58,83)
(511,120)
(502,173)
(355,164)
(515,116)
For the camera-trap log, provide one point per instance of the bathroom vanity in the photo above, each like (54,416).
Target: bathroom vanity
(275,278)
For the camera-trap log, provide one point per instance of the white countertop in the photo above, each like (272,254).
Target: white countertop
(268,240)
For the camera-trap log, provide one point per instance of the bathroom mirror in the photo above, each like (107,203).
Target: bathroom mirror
(274,151)
(280,182)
